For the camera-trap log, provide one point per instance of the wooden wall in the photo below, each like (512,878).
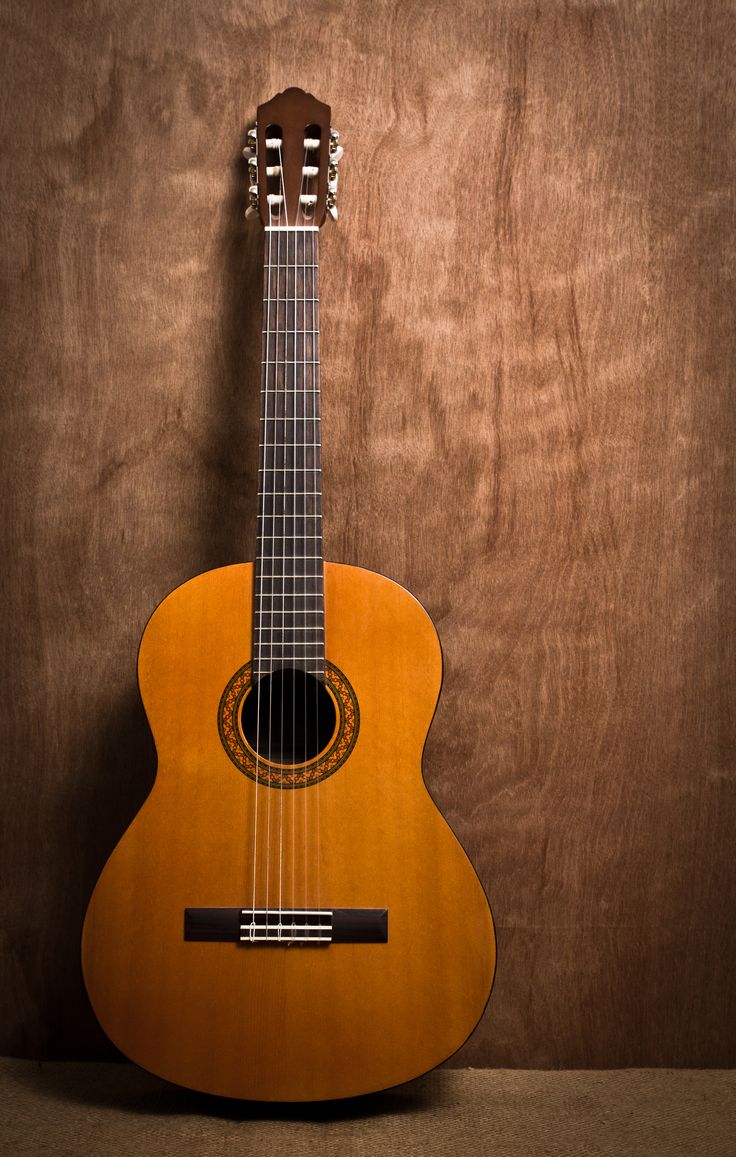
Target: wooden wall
(527,334)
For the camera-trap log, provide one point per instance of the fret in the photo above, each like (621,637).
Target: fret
(278,300)
(295,515)
(296,595)
(283,640)
(273,577)
(306,648)
(290,346)
(294,610)
(316,629)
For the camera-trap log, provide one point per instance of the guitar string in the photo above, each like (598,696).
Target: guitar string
(318,546)
(304,501)
(284,439)
(302,450)
(256,668)
(271,540)
(267,547)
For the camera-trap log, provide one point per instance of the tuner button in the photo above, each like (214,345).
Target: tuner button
(251,211)
(332,210)
(334,136)
(337,154)
(248,152)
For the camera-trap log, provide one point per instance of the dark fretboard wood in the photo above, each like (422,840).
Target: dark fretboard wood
(288,622)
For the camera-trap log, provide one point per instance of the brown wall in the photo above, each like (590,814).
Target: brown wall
(527,338)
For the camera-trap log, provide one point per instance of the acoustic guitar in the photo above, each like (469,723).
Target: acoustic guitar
(289,917)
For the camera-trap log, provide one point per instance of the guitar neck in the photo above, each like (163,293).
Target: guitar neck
(288,624)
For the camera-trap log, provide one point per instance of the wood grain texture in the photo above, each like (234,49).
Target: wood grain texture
(528,420)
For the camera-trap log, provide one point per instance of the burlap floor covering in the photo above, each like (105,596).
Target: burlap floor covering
(92,1109)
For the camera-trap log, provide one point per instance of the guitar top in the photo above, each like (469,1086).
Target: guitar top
(289,917)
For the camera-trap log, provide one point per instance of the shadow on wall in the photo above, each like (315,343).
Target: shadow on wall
(121,752)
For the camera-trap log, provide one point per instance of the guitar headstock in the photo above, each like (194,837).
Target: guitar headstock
(293,156)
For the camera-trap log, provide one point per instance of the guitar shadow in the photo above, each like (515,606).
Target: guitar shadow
(120,754)
(128,1089)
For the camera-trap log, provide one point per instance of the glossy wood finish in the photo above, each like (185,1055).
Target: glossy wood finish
(292,112)
(279,1023)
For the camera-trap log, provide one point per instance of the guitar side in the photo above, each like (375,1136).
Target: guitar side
(274,1022)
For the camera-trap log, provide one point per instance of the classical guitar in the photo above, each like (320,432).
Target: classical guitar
(289,917)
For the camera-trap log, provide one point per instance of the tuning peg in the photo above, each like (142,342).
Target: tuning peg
(252,209)
(337,154)
(251,147)
(332,210)
(334,138)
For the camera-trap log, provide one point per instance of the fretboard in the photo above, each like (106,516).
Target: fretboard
(288,620)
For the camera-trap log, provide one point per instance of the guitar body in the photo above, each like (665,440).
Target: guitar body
(272,1022)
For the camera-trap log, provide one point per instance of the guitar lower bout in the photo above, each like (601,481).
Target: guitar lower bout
(289,931)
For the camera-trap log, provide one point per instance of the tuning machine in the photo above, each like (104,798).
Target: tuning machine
(251,148)
(250,153)
(336,152)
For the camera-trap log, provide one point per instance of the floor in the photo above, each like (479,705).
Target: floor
(69,1108)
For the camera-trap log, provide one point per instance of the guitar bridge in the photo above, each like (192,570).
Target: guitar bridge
(285,926)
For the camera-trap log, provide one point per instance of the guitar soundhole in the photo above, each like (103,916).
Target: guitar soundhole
(289,717)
